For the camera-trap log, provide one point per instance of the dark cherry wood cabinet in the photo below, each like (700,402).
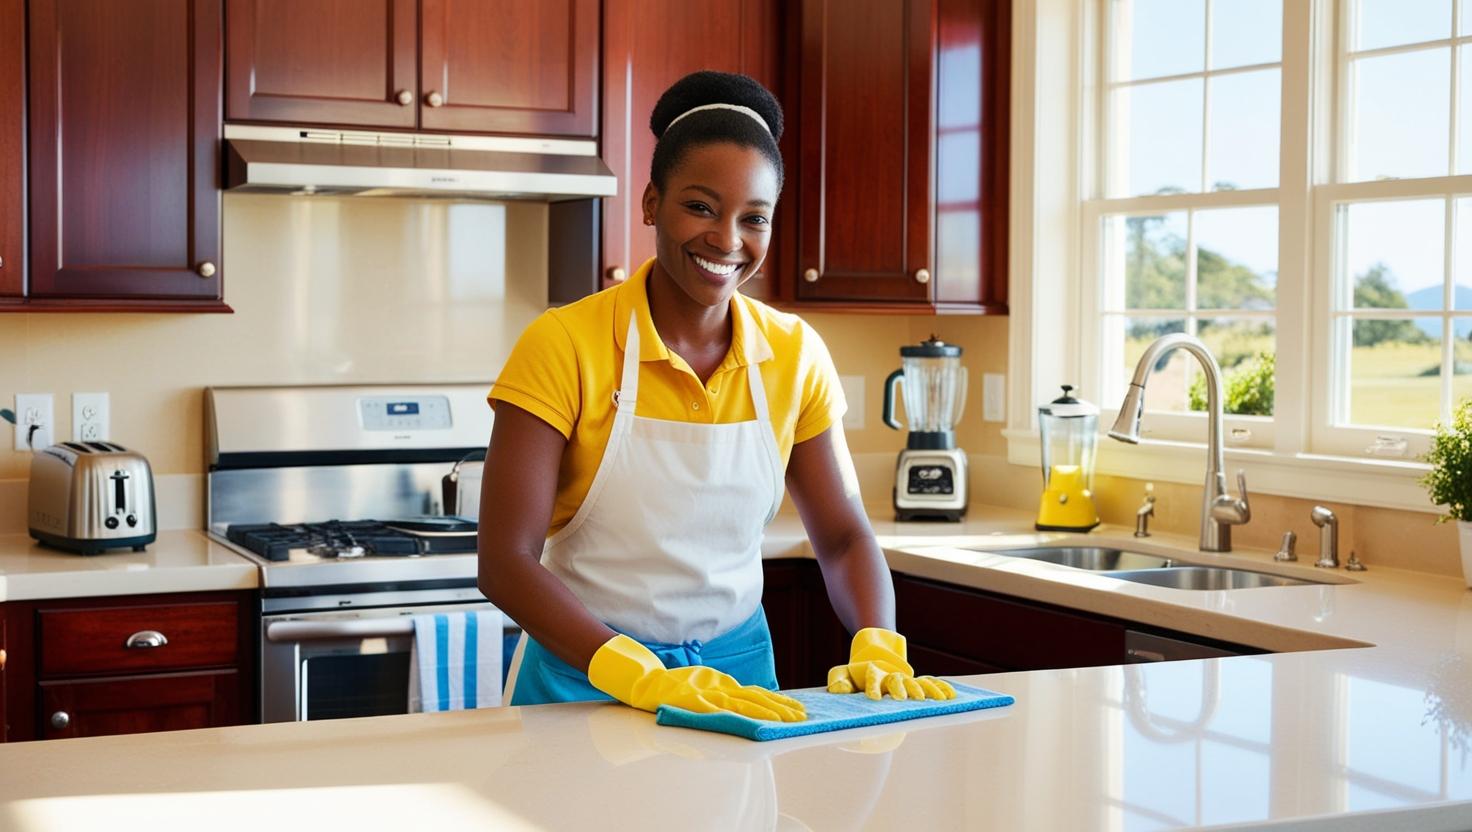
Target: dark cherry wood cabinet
(12,148)
(647,46)
(344,62)
(124,126)
(903,117)
(4,660)
(89,667)
(491,66)
(807,637)
(508,66)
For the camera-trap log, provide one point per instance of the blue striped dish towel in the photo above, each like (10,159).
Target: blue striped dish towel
(833,712)
(456,661)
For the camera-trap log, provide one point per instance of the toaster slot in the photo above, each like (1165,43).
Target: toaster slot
(120,492)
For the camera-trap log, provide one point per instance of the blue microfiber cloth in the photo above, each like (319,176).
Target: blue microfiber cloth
(833,712)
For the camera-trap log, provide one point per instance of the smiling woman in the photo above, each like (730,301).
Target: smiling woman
(640,444)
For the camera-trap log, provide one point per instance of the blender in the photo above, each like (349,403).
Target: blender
(930,477)
(1068,429)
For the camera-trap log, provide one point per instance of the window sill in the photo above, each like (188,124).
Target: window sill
(1369,482)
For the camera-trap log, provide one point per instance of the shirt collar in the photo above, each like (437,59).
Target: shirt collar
(749,344)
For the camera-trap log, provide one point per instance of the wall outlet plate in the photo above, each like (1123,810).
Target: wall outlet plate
(993,397)
(853,393)
(36,409)
(91,415)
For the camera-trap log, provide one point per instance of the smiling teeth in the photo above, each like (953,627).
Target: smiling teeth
(715,268)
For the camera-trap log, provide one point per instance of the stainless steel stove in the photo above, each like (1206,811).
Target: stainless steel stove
(334,491)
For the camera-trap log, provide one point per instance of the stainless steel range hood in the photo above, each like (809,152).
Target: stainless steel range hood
(309,160)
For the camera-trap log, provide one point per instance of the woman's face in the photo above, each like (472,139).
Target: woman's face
(713,222)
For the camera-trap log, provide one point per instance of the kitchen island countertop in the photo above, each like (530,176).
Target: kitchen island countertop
(1369,715)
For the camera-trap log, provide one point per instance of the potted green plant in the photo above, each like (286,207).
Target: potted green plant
(1449,482)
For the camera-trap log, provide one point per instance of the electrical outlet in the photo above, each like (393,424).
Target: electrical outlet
(993,397)
(853,393)
(90,417)
(38,410)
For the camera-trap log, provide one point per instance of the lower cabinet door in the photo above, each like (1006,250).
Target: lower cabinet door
(928,662)
(139,704)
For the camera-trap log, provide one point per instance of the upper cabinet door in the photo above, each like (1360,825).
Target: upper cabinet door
(867,139)
(647,46)
(349,62)
(12,151)
(125,160)
(509,66)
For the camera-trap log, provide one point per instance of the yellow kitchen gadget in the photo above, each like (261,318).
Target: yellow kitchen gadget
(1068,430)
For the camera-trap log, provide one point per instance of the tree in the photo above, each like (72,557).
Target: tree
(1375,289)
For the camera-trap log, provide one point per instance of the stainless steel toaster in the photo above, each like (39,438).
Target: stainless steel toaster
(87,497)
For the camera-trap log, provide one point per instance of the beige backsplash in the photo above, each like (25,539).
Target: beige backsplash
(360,290)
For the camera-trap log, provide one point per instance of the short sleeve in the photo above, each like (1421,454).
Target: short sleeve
(822,393)
(541,376)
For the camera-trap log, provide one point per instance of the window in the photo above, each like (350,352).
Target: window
(1187,213)
(1396,214)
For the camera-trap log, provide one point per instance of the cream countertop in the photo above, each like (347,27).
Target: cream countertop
(178,561)
(1289,739)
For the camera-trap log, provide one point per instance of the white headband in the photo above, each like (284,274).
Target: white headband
(737,107)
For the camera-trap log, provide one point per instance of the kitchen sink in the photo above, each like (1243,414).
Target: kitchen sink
(1095,558)
(1206,577)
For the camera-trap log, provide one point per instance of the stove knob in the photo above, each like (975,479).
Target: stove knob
(111,522)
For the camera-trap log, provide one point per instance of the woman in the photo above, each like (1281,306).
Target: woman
(640,444)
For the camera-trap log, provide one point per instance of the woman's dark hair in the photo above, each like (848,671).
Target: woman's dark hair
(713,126)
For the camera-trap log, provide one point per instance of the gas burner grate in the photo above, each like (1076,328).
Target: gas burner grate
(275,542)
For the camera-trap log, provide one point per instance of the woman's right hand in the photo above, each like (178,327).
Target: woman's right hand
(631,673)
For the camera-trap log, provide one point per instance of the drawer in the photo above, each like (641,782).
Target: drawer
(87,641)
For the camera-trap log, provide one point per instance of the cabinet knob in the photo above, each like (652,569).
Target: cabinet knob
(206,269)
(145,639)
(922,275)
(404,97)
(60,720)
(2,659)
(2,262)
(617,274)
(811,275)
(434,99)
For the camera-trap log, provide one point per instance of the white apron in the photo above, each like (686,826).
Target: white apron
(666,546)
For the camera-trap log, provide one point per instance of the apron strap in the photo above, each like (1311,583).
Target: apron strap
(628,392)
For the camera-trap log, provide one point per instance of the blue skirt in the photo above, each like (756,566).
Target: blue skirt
(744,652)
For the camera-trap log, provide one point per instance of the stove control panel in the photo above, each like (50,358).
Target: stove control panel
(401,413)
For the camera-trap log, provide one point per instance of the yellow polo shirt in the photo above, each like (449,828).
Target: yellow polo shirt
(566,366)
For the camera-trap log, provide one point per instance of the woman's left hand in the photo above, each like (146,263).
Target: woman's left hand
(877,665)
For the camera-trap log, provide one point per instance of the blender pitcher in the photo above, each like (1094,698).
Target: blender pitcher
(1068,430)
(930,475)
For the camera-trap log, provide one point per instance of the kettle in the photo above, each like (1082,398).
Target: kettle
(460,489)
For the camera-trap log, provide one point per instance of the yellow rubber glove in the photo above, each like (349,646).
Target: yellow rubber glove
(877,665)
(629,672)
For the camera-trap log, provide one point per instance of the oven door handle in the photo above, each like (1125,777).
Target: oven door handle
(291,631)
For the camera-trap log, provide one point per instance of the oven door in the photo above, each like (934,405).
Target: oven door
(339,664)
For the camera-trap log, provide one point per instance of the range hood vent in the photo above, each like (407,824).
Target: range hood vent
(303,160)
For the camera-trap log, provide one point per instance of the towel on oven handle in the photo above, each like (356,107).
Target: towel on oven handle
(456,661)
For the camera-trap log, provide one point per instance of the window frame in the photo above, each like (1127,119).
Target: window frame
(1057,90)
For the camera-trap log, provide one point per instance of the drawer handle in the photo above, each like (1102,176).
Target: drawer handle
(60,720)
(145,639)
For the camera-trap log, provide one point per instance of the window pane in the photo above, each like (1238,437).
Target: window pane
(1246,32)
(1391,22)
(1159,137)
(1462,257)
(1462,359)
(1464,118)
(1246,352)
(1170,379)
(1237,258)
(1394,253)
(1401,106)
(1395,373)
(1465,26)
(1244,131)
(1149,253)
(1159,37)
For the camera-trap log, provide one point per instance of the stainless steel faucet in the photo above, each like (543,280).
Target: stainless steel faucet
(1219,509)
(1328,537)
(1145,512)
